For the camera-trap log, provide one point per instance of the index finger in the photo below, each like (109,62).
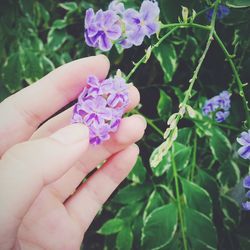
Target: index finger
(24,111)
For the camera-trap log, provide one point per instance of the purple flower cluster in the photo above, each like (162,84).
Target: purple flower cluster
(100,106)
(244,140)
(218,107)
(246,184)
(221,12)
(126,27)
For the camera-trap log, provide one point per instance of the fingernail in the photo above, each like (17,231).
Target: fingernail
(71,134)
(143,120)
(136,148)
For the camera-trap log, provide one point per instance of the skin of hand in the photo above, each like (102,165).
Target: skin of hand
(44,204)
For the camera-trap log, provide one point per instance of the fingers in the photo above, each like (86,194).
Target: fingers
(27,167)
(89,198)
(22,112)
(63,119)
(130,131)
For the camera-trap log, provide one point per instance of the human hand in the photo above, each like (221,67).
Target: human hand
(41,167)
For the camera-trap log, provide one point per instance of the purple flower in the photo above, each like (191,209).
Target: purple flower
(97,87)
(221,13)
(102,29)
(141,23)
(118,93)
(124,27)
(218,107)
(101,106)
(246,205)
(99,133)
(96,110)
(244,151)
(117,7)
(246,184)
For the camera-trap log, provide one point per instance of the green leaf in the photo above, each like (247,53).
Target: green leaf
(32,66)
(154,201)
(182,155)
(48,65)
(69,6)
(166,55)
(209,183)
(220,145)
(164,106)
(159,227)
(12,73)
(200,230)
(4,93)
(124,240)
(56,39)
(163,166)
(132,193)
(238,3)
(111,226)
(229,174)
(197,198)
(184,135)
(59,24)
(138,173)
(231,212)
(27,7)
(130,211)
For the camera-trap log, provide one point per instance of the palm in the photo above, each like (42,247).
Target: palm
(48,225)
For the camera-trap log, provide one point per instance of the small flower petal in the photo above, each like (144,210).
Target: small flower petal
(246,182)
(244,152)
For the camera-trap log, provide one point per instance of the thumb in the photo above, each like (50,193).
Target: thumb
(27,167)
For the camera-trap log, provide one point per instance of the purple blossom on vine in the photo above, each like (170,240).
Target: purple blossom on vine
(222,12)
(218,106)
(246,184)
(117,7)
(101,106)
(144,22)
(244,141)
(118,25)
(102,29)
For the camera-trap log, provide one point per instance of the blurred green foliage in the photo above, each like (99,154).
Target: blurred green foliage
(38,36)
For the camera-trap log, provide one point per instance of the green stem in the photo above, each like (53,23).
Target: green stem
(143,59)
(237,77)
(197,70)
(186,25)
(180,212)
(150,122)
(193,165)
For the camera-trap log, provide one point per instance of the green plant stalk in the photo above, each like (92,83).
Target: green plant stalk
(186,25)
(180,212)
(144,58)
(237,77)
(193,165)
(150,122)
(197,70)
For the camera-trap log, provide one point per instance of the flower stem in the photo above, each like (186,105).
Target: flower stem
(180,212)
(186,25)
(193,164)
(237,77)
(143,59)
(149,121)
